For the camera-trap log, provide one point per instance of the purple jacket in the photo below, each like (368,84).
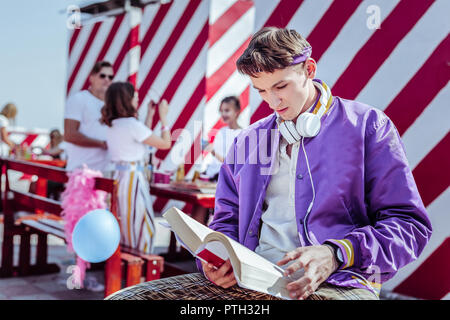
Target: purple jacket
(367,202)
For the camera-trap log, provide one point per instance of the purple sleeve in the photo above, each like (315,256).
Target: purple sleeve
(400,227)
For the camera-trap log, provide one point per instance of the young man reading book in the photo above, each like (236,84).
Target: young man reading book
(342,203)
(322,184)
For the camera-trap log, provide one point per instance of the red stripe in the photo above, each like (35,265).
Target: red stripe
(262,111)
(134,38)
(133,79)
(435,74)
(83,55)
(283,13)
(187,112)
(378,48)
(432,174)
(106,44)
(431,280)
(73,39)
(330,25)
(29,139)
(168,47)
(216,80)
(154,26)
(230,17)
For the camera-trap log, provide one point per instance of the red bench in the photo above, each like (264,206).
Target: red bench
(125,262)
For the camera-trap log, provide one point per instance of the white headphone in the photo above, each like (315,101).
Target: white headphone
(307,124)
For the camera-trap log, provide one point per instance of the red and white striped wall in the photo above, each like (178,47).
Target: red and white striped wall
(114,38)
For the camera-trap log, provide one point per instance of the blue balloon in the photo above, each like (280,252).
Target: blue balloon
(96,236)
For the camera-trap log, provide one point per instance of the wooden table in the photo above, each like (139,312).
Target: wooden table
(201,204)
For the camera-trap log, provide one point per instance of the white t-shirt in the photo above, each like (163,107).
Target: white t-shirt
(86,108)
(4,123)
(125,138)
(222,144)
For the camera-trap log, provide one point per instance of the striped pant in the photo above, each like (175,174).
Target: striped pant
(195,286)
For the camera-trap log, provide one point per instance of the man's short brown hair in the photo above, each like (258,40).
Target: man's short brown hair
(270,49)
(99,65)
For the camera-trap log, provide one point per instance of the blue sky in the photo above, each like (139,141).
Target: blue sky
(33,41)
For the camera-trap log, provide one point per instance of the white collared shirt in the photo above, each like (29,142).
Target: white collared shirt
(279,233)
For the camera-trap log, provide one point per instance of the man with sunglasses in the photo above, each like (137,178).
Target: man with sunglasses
(85,135)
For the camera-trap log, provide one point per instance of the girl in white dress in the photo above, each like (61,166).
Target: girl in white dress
(127,141)
(230,108)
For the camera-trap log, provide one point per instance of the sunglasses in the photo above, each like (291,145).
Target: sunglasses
(103,76)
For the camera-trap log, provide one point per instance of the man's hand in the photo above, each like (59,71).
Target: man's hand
(319,263)
(223,277)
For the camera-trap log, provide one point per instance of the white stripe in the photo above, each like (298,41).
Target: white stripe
(147,18)
(184,91)
(349,41)
(160,38)
(440,220)
(182,146)
(244,117)
(134,55)
(77,48)
(428,129)
(92,55)
(227,45)
(119,40)
(408,57)
(218,8)
(447,296)
(263,10)
(135,16)
(308,15)
(121,74)
(41,141)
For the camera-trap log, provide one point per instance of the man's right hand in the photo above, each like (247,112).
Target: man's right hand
(223,277)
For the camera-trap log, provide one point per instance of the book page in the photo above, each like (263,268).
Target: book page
(245,255)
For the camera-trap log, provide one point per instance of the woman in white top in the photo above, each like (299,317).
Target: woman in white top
(8,113)
(127,140)
(230,108)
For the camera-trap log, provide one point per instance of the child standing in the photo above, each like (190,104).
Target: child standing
(230,108)
(127,141)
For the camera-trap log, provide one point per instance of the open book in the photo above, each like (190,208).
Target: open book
(250,269)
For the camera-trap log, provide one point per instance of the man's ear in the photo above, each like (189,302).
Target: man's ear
(311,68)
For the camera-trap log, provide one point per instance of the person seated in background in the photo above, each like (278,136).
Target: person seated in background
(230,109)
(127,140)
(56,149)
(7,114)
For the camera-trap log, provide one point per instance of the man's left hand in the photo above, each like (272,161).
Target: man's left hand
(319,263)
